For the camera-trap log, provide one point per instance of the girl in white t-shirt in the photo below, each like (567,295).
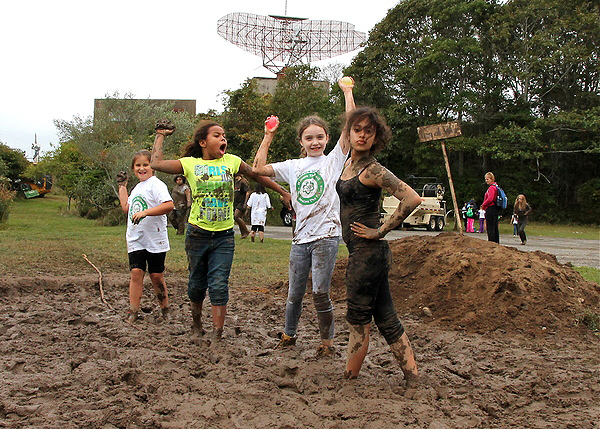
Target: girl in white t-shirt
(259,202)
(318,230)
(147,239)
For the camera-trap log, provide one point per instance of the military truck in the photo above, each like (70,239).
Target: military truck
(431,213)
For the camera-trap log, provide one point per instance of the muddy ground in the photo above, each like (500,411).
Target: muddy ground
(497,333)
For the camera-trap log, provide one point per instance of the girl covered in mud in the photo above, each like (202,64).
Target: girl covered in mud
(369,260)
(317,233)
(147,239)
(209,241)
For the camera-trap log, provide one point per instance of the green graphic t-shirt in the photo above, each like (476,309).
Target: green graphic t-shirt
(211,182)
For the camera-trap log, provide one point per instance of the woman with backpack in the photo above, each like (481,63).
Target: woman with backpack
(492,211)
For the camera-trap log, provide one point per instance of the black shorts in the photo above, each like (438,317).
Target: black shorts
(155,261)
(258,228)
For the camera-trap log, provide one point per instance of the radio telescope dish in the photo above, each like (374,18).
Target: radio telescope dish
(283,41)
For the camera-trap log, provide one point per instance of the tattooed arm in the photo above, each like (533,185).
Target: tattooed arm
(172,166)
(378,176)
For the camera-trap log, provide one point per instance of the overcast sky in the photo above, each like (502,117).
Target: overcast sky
(58,56)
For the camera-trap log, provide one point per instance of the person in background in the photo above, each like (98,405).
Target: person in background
(481,220)
(182,199)
(491,209)
(521,211)
(259,202)
(241,194)
(514,221)
(471,215)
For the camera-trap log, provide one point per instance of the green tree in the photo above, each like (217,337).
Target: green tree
(93,150)
(243,118)
(13,162)
(299,93)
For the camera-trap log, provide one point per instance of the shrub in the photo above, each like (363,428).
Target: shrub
(6,198)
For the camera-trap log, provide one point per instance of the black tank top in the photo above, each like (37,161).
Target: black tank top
(358,203)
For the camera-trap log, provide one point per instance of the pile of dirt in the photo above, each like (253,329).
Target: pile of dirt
(463,283)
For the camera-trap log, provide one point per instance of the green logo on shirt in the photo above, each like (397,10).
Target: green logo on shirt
(309,187)
(138,203)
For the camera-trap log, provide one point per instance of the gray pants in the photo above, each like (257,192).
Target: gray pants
(319,257)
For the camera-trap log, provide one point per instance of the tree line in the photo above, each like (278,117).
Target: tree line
(522,77)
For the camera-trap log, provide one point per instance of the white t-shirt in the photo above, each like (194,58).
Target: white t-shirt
(314,199)
(151,232)
(259,204)
(481,213)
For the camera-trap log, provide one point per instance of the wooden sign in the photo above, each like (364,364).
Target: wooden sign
(439,131)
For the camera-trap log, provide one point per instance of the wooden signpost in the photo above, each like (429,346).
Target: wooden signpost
(442,132)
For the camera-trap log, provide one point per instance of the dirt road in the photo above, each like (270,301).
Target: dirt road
(576,251)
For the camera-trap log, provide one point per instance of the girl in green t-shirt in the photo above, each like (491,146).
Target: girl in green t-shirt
(209,242)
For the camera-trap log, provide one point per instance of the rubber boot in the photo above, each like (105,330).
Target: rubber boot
(404,354)
(218,316)
(326,324)
(358,345)
(197,319)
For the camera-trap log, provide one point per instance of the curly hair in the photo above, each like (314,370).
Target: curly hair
(383,133)
(193,148)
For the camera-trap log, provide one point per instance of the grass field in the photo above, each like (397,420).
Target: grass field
(42,237)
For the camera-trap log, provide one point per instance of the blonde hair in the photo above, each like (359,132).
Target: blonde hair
(521,205)
(491,176)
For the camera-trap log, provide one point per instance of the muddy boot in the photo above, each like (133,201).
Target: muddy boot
(166,313)
(197,319)
(285,340)
(325,351)
(358,345)
(218,316)
(217,335)
(325,317)
(134,315)
(404,354)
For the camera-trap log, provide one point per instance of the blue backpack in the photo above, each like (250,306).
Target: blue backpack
(501,200)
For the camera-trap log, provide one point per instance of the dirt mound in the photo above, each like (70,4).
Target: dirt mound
(478,286)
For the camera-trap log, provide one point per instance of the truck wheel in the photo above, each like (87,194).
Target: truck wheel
(431,224)
(440,224)
(288,219)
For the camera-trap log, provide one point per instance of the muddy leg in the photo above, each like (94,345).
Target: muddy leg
(403,352)
(238,217)
(197,318)
(160,289)
(136,289)
(358,344)
(218,316)
(325,317)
